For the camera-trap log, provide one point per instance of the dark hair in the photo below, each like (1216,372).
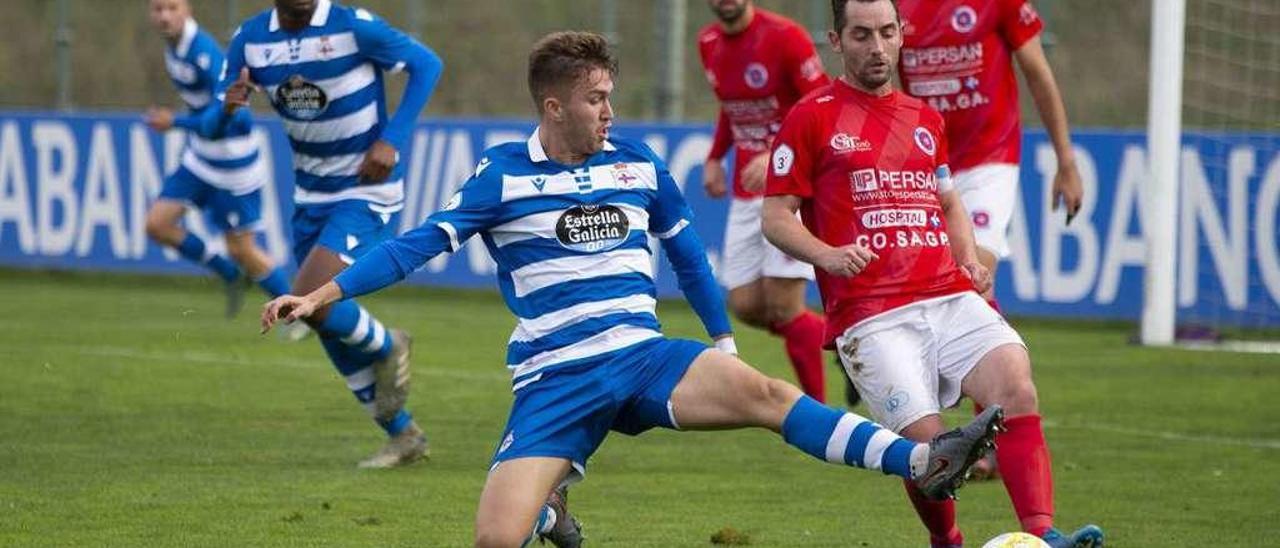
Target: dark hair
(563,57)
(838,16)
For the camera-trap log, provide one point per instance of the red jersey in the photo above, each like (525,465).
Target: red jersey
(870,171)
(958,56)
(757,74)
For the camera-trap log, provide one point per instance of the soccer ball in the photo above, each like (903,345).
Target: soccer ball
(1016,540)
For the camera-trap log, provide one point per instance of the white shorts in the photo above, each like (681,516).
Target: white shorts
(908,363)
(748,256)
(988,192)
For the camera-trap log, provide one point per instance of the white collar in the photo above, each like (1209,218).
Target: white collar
(189,29)
(318,18)
(538,154)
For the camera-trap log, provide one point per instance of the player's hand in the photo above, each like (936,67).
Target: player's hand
(754,174)
(1067,190)
(713,179)
(238,93)
(846,260)
(158,118)
(979,274)
(289,308)
(378,163)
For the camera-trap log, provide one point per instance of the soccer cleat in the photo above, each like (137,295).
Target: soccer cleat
(567,532)
(404,448)
(391,377)
(1089,536)
(952,454)
(235,290)
(293,332)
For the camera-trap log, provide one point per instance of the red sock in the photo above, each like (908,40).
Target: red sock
(939,517)
(802,338)
(1025,466)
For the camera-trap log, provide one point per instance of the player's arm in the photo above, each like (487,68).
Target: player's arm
(713,175)
(790,182)
(228,114)
(472,209)
(669,220)
(964,248)
(209,60)
(394,51)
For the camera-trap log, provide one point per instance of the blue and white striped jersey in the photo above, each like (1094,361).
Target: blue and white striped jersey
(326,83)
(231,163)
(572,249)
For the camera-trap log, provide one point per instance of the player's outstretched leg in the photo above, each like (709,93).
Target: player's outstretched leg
(164,228)
(372,359)
(1003,377)
(720,391)
(777,305)
(519,505)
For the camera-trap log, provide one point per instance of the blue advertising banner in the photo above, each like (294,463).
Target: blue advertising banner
(74,191)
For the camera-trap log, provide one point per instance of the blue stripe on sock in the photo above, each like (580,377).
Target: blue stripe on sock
(342,319)
(346,359)
(809,425)
(275,283)
(193,249)
(897,458)
(856,450)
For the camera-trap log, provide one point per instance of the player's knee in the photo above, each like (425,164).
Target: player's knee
(240,249)
(159,229)
(748,312)
(778,395)
(1019,397)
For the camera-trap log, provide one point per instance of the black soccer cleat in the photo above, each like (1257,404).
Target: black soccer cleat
(567,532)
(952,454)
(235,290)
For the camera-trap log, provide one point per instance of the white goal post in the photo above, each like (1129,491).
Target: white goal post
(1164,133)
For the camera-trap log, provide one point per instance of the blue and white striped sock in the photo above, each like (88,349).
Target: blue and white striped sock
(354,339)
(275,283)
(546,520)
(194,249)
(840,437)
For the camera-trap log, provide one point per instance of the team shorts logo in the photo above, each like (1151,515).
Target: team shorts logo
(964,19)
(783,157)
(756,76)
(592,228)
(981,219)
(925,141)
(301,99)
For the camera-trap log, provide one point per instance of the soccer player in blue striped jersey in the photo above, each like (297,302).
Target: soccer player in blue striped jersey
(567,216)
(321,64)
(222,176)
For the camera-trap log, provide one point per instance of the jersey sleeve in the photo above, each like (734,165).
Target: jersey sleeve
(392,50)
(213,123)
(791,164)
(723,139)
(472,209)
(942,166)
(669,213)
(803,65)
(1019,22)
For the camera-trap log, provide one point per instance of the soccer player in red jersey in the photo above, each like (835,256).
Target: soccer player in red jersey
(958,55)
(760,63)
(883,222)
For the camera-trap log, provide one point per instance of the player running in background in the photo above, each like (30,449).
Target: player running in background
(566,216)
(223,177)
(760,63)
(321,64)
(884,224)
(957,55)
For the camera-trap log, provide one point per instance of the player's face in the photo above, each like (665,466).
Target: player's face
(586,112)
(168,16)
(728,10)
(293,12)
(869,43)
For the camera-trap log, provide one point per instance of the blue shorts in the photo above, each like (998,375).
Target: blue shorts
(228,212)
(349,228)
(569,411)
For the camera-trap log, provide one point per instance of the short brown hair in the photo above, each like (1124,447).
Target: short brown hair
(838,15)
(563,57)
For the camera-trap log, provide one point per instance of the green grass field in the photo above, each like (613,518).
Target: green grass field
(133,414)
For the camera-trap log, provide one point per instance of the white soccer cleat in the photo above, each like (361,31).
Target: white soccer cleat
(391,377)
(405,448)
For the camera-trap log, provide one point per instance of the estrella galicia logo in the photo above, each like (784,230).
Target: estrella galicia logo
(592,227)
(301,99)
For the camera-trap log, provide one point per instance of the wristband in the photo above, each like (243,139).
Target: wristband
(726,344)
